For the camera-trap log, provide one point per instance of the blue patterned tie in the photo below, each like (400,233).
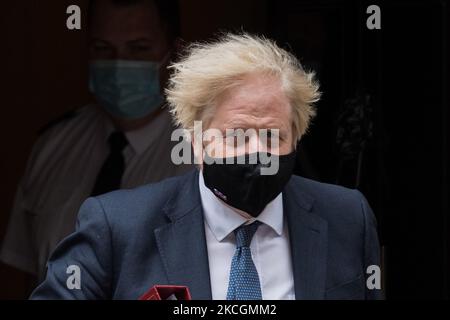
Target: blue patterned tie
(244,280)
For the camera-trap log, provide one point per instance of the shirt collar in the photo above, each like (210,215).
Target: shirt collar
(223,220)
(142,138)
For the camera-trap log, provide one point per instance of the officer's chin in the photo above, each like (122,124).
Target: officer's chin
(130,124)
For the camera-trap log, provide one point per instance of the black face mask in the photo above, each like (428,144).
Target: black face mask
(242,186)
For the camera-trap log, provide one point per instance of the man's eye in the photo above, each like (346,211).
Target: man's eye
(272,135)
(230,132)
(231,139)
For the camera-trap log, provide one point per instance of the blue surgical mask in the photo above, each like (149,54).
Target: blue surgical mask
(125,88)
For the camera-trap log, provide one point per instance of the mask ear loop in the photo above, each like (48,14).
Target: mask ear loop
(199,155)
(211,159)
(206,155)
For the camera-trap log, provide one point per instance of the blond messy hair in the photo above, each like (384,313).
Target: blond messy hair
(207,70)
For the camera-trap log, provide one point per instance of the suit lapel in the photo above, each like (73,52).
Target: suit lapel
(182,243)
(308,237)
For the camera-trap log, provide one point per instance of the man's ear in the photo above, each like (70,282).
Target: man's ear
(198,150)
(296,144)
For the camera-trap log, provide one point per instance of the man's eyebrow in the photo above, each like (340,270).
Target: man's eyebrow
(239,124)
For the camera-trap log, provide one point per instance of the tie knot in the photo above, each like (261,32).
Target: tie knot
(117,141)
(245,233)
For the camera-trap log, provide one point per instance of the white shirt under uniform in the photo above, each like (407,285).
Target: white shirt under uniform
(61,173)
(270,246)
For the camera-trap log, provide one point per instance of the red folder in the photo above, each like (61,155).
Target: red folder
(162,292)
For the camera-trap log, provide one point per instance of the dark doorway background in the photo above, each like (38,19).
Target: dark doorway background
(398,159)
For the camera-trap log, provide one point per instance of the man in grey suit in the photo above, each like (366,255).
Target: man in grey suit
(241,226)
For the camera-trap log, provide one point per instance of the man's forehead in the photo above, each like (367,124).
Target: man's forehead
(142,17)
(256,86)
(256,97)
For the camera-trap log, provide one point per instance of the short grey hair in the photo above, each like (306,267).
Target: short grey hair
(207,70)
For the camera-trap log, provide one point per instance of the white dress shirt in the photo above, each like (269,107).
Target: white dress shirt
(61,173)
(270,246)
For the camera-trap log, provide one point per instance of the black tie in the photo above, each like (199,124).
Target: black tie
(110,175)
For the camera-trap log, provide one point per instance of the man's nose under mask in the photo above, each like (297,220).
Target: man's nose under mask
(125,88)
(243,184)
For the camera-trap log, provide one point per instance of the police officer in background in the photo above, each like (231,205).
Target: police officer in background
(122,141)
